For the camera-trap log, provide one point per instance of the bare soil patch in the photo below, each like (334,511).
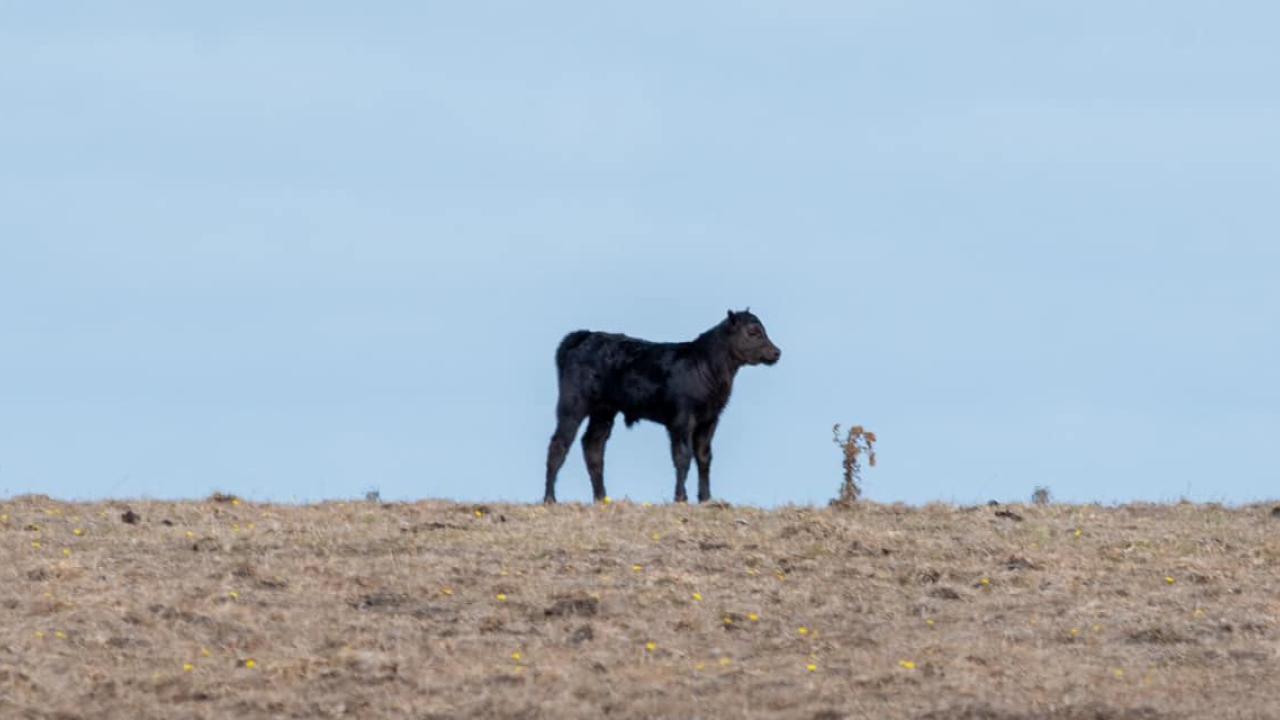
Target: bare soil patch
(225,608)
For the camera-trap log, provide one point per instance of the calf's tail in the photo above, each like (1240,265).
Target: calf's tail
(570,341)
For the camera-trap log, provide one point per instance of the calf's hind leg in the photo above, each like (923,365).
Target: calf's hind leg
(593,441)
(567,422)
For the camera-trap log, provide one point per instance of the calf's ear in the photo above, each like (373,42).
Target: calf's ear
(732,316)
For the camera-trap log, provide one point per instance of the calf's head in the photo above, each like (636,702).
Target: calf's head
(748,341)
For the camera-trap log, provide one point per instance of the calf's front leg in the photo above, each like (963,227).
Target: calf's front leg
(681,455)
(702,451)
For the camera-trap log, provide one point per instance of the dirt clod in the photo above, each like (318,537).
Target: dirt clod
(576,605)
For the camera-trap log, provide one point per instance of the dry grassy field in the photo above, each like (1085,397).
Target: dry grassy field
(437,610)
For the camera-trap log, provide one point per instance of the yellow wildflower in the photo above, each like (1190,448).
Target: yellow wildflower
(726,662)
(753,617)
(502,597)
(697,597)
(77,532)
(637,568)
(517,656)
(188,667)
(1169,579)
(250,663)
(906,665)
(803,630)
(811,667)
(608,500)
(60,635)
(651,646)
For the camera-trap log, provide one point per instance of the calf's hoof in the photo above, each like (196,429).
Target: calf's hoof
(549,500)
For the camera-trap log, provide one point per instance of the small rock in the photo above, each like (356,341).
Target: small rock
(944,593)
(1158,635)
(206,544)
(582,634)
(580,605)
(380,601)
(130,517)
(1019,563)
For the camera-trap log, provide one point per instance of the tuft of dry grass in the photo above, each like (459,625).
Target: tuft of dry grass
(236,609)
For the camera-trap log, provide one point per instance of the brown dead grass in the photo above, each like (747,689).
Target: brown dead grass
(363,610)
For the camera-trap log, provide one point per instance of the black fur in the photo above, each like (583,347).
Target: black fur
(683,386)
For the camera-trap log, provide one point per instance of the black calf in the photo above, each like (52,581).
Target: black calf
(683,386)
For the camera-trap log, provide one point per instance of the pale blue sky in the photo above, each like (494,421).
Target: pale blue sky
(298,250)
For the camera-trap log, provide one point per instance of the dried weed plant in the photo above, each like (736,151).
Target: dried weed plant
(854,445)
